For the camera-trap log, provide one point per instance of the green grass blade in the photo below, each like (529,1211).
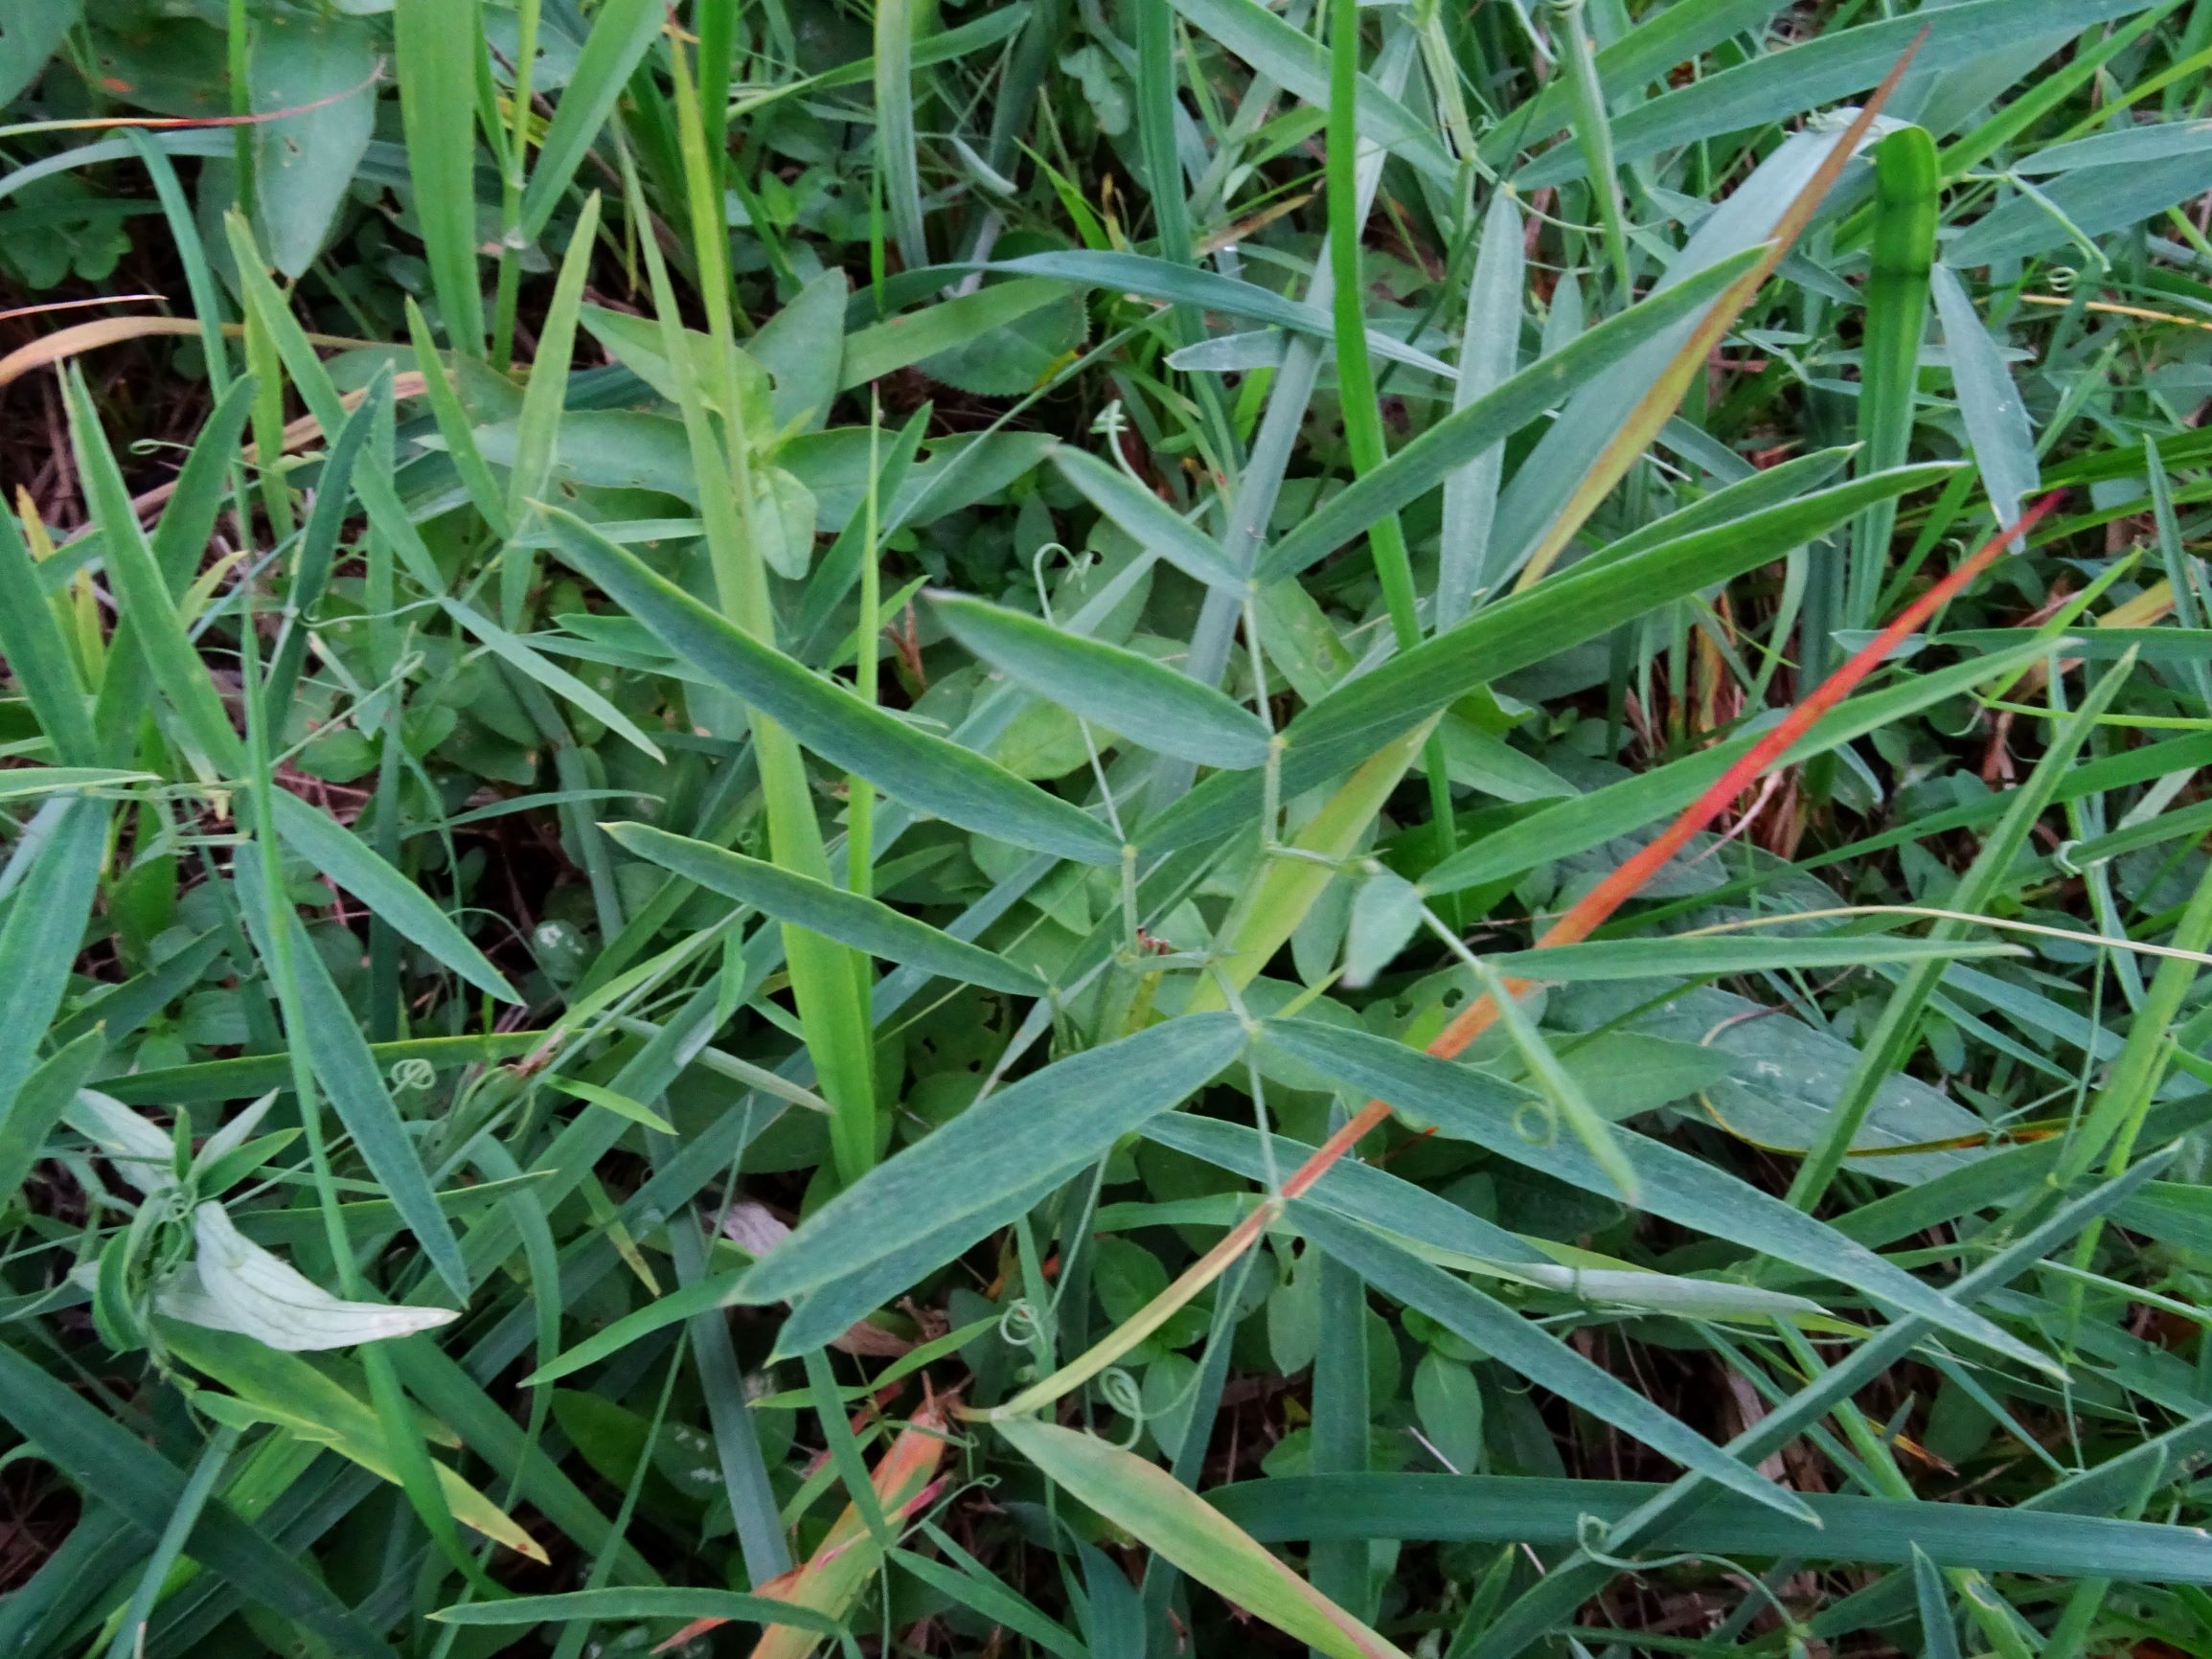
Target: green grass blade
(538,428)
(621,31)
(1488,353)
(1580,604)
(37,656)
(1150,519)
(896,156)
(1162,1513)
(348,1074)
(1896,1034)
(852,919)
(1541,1358)
(1547,1513)
(434,44)
(318,550)
(1897,286)
(1842,64)
(146,1488)
(348,860)
(906,763)
(139,586)
(1465,1104)
(1127,692)
(627,1603)
(1056,1119)
(520,655)
(1465,434)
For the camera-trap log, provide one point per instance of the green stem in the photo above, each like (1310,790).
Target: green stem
(1356,374)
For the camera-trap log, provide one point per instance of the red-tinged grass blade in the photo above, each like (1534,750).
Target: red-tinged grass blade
(1576,924)
(1655,408)
(848,1555)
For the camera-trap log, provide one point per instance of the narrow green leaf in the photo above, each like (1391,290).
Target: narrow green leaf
(526,658)
(620,1105)
(1168,1517)
(29,1111)
(354,864)
(1470,430)
(1151,520)
(1129,694)
(1549,1514)
(1488,353)
(1057,1119)
(1995,419)
(1296,62)
(1681,957)
(538,426)
(854,919)
(621,32)
(924,772)
(45,928)
(1627,806)
(1535,1354)
(902,341)
(434,44)
(1834,65)
(1897,279)
(144,593)
(346,1068)
(144,1488)
(37,656)
(1528,627)
(632,1601)
(318,547)
(1469,1106)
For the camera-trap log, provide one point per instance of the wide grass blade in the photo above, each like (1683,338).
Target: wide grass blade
(865,923)
(1843,1527)
(1127,692)
(1468,1105)
(1162,1513)
(910,766)
(435,43)
(348,1074)
(146,1488)
(1055,1119)
(1541,1358)
(354,864)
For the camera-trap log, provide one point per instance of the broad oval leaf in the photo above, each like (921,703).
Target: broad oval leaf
(924,772)
(1057,1119)
(1127,693)
(850,918)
